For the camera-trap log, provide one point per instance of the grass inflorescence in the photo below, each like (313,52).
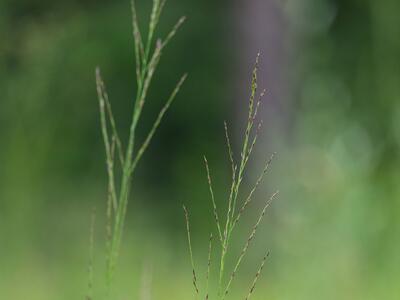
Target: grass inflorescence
(235,208)
(148,52)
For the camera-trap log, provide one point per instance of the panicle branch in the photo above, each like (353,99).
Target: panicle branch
(215,212)
(249,240)
(253,286)
(194,279)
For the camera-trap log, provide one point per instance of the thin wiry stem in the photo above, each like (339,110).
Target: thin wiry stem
(157,122)
(162,4)
(250,196)
(147,73)
(253,142)
(208,266)
(139,51)
(102,95)
(248,242)
(247,134)
(215,212)
(127,168)
(237,177)
(259,103)
(228,213)
(116,138)
(109,224)
(228,143)
(154,17)
(109,220)
(233,166)
(253,286)
(250,149)
(233,215)
(146,65)
(191,251)
(140,101)
(226,230)
(172,33)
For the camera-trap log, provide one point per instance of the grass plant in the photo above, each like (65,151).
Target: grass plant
(148,52)
(234,208)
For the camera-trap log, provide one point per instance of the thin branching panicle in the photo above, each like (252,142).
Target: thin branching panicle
(249,240)
(235,206)
(250,122)
(147,57)
(250,196)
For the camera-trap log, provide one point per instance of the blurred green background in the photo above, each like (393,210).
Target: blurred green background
(332,71)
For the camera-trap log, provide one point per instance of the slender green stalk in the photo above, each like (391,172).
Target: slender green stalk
(213,200)
(208,266)
(228,213)
(250,122)
(102,96)
(237,177)
(139,51)
(250,196)
(253,285)
(157,122)
(194,279)
(146,65)
(234,168)
(249,240)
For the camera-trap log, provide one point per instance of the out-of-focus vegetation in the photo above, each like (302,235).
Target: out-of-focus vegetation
(334,233)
